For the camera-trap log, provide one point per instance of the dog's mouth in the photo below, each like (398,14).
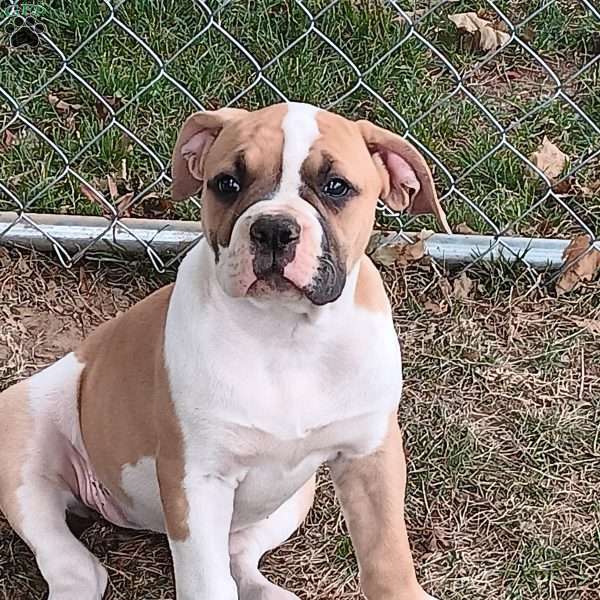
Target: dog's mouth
(273,284)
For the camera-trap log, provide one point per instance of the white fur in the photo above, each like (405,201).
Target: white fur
(265,396)
(69,569)
(53,395)
(248,545)
(201,561)
(140,483)
(300,131)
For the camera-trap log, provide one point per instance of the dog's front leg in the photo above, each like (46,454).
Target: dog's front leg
(371,492)
(198,513)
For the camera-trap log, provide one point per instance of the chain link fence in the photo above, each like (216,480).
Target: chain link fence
(502,98)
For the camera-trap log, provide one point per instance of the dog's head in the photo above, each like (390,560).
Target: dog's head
(289,194)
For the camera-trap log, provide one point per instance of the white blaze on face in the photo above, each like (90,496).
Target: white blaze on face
(300,130)
(235,268)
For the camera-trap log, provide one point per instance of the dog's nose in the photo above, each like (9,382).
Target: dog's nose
(275,233)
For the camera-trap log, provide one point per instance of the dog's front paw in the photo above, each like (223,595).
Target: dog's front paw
(266,592)
(226,590)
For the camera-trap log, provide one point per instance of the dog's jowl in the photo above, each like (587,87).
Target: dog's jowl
(205,410)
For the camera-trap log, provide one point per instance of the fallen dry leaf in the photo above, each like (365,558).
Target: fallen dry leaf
(90,194)
(581,264)
(486,34)
(154,206)
(437,308)
(465,229)
(527,34)
(549,159)
(8,139)
(115,102)
(112,187)
(399,253)
(565,186)
(63,106)
(402,253)
(123,204)
(463,286)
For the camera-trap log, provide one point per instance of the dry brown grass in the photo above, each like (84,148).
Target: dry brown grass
(501,420)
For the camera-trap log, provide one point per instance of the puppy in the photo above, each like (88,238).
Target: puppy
(205,410)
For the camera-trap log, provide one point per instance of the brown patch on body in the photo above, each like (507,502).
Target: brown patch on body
(370,292)
(16,431)
(126,409)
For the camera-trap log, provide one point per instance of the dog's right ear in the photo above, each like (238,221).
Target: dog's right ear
(195,138)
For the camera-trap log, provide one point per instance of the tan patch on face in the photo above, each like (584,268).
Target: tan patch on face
(16,431)
(126,409)
(342,147)
(250,149)
(370,292)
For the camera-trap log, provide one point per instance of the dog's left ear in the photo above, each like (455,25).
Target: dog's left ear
(198,133)
(407,183)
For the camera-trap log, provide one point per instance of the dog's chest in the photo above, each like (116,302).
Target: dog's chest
(267,413)
(263,399)
(272,469)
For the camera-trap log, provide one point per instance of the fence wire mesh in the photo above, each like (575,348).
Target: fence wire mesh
(502,98)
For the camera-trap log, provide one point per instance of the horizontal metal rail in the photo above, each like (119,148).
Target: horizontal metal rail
(73,233)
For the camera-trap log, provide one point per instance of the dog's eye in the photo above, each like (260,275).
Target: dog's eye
(336,187)
(228,185)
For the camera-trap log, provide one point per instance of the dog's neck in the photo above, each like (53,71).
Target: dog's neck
(197,276)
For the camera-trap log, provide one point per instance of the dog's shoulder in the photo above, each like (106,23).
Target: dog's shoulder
(370,292)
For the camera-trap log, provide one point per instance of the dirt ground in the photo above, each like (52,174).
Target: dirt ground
(501,418)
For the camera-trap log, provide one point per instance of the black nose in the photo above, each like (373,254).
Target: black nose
(274,238)
(274,233)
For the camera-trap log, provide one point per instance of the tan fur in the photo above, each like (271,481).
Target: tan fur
(380,142)
(125,405)
(258,137)
(15,433)
(187,171)
(342,141)
(371,492)
(369,292)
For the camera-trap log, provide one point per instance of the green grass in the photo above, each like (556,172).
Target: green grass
(412,80)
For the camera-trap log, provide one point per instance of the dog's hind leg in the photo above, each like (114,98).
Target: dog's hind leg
(248,545)
(35,487)
(70,570)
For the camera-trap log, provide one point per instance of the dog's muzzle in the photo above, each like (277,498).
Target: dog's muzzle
(285,252)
